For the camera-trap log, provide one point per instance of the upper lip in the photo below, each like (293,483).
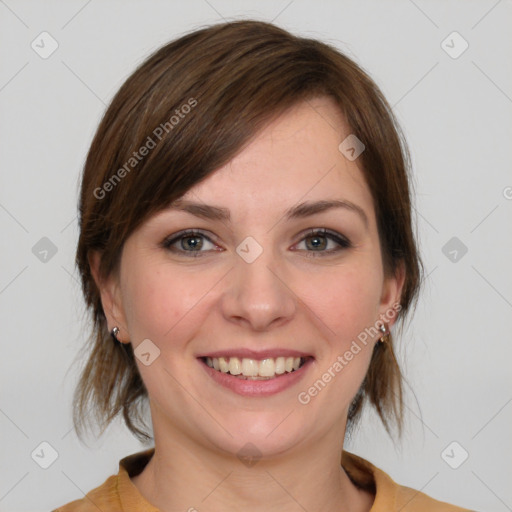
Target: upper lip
(247,353)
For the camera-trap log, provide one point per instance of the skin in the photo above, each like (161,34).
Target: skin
(284,299)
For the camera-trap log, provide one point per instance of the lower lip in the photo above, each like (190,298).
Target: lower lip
(255,388)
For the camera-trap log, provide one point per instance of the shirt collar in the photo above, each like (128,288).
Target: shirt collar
(362,473)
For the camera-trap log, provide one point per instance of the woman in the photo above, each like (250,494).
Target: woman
(246,248)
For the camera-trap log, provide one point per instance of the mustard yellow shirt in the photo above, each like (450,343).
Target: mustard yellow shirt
(119,494)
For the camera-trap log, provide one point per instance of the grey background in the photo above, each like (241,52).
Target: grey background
(456,113)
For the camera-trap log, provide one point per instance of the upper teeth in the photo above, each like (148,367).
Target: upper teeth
(253,368)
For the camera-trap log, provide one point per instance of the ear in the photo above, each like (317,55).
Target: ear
(110,298)
(391,295)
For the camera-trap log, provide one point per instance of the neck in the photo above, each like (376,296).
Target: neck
(184,475)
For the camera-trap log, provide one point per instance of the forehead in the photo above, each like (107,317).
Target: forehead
(294,158)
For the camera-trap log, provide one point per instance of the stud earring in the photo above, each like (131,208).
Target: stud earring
(114,332)
(385,333)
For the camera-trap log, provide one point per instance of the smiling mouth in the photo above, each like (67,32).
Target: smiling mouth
(253,369)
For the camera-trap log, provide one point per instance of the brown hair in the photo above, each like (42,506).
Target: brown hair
(228,80)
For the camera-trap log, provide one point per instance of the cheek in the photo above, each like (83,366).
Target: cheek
(150,303)
(345,303)
(163,306)
(346,299)
(160,303)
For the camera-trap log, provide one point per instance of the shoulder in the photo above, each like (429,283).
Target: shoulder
(390,496)
(103,497)
(117,492)
(409,500)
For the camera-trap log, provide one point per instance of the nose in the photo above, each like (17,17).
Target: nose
(259,294)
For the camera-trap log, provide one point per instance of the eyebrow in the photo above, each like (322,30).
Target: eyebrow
(299,211)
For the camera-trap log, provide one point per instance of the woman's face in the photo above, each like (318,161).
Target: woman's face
(259,285)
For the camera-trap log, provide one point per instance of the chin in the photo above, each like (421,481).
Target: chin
(258,434)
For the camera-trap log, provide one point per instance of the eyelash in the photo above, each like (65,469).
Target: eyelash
(332,235)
